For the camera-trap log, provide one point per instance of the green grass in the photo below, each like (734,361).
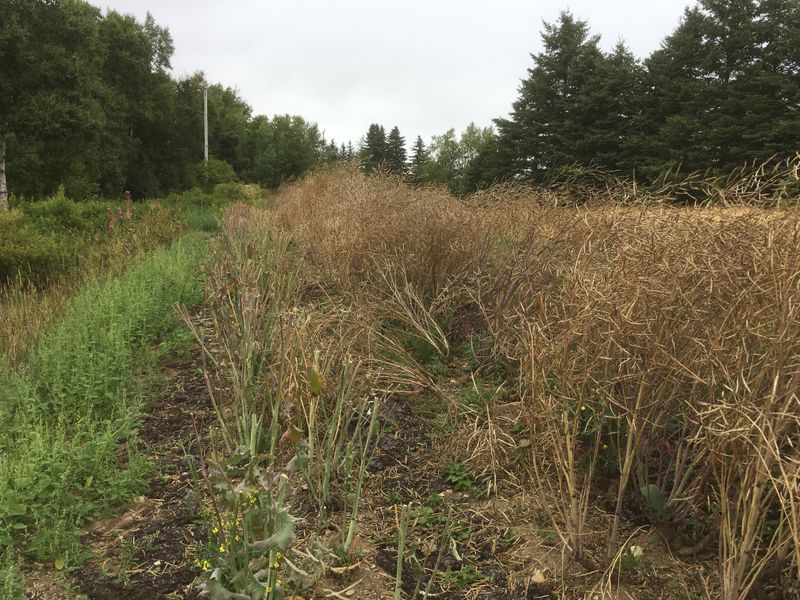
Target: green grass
(69,417)
(202,219)
(477,395)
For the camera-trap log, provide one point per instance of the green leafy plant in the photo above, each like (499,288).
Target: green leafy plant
(251,531)
(72,410)
(465,576)
(461,478)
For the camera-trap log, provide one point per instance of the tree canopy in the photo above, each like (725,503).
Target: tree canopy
(87,101)
(720,92)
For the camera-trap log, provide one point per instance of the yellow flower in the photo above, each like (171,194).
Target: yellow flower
(278,555)
(583,407)
(236,538)
(276,564)
(278,582)
(215,530)
(222,548)
(206,565)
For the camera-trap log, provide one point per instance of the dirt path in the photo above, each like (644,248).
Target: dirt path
(147,553)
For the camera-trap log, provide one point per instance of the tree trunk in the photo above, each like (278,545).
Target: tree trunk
(3,188)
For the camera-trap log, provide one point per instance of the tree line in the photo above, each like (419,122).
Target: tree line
(87,102)
(721,91)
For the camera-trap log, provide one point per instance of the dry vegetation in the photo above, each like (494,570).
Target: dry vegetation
(611,389)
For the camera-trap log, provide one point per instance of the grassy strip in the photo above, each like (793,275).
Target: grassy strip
(69,417)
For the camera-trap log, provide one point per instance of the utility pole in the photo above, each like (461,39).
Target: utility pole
(3,188)
(205,130)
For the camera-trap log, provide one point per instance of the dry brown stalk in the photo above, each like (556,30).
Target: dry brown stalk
(646,337)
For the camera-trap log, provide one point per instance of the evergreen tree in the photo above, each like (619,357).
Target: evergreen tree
(488,167)
(726,83)
(615,96)
(549,121)
(331,152)
(419,161)
(373,149)
(396,152)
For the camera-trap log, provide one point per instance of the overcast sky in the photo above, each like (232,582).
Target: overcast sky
(425,66)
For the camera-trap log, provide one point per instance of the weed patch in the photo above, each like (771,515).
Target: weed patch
(70,415)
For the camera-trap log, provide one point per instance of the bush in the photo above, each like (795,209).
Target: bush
(58,213)
(218,171)
(201,219)
(237,192)
(27,254)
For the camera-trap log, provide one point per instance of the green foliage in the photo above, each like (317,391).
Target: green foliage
(466,576)
(201,210)
(420,349)
(655,500)
(70,410)
(215,172)
(373,151)
(59,213)
(575,106)
(724,83)
(193,198)
(419,159)
(250,533)
(479,393)
(460,477)
(281,149)
(201,219)
(450,158)
(396,152)
(716,95)
(12,584)
(237,192)
(86,100)
(26,253)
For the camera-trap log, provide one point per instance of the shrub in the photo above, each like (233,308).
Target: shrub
(217,171)
(27,254)
(237,192)
(59,213)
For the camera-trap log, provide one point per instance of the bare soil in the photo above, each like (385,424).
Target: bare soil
(147,553)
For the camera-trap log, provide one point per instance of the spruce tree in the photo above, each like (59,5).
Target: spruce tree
(726,86)
(396,152)
(549,120)
(419,160)
(373,150)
